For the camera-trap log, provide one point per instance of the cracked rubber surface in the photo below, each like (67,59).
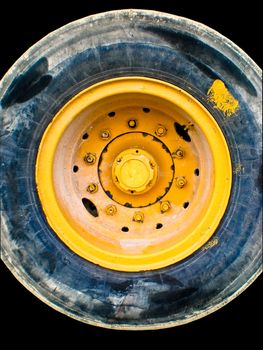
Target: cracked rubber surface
(113,44)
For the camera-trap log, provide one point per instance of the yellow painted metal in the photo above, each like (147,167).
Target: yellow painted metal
(165,206)
(161,130)
(132,123)
(180,181)
(152,153)
(179,153)
(138,217)
(134,171)
(105,134)
(92,188)
(183,230)
(111,210)
(90,158)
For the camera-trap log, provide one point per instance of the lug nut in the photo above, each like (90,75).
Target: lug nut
(111,210)
(138,216)
(92,188)
(132,123)
(180,181)
(165,206)
(105,134)
(152,164)
(90,158)
(179,153)
(161,130)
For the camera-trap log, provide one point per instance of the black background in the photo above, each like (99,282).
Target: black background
(34,324)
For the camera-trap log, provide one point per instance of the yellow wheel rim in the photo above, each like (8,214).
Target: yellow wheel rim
(127,210)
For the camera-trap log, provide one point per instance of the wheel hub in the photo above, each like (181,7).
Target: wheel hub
(134,171)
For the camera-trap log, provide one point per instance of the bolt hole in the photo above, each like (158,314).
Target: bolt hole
(182,132)
(137,151)
(85,136)
(146,110)
(125,229)
(158,226)
(185,205)
(90,207)
(132,191)
(75,168)
(197,172)
(111,114)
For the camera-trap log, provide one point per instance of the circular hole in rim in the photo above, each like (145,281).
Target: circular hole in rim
(158,226)
(197,172)
(90,207)
(111,114)
(125,229)
(146,109)
(75,168)
(85,136)
(185,205)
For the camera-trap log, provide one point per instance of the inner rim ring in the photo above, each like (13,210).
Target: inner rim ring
(169,183)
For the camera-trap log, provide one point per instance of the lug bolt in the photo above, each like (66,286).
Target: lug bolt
(132,123)
(165,206)
(111,210)
(138,217)
(189,126)
(105,134)
(90,158)
(180,181)
(161,130)
(152,164)
(149,184)
(179,153)
(92,188)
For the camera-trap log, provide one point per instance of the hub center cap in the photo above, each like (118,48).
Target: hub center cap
(134,171)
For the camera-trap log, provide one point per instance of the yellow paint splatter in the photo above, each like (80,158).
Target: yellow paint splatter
(238,168)
(210,244)
(222,98)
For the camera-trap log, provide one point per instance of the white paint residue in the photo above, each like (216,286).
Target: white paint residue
(135,246)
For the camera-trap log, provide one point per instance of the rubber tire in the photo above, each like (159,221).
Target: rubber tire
(113,44)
